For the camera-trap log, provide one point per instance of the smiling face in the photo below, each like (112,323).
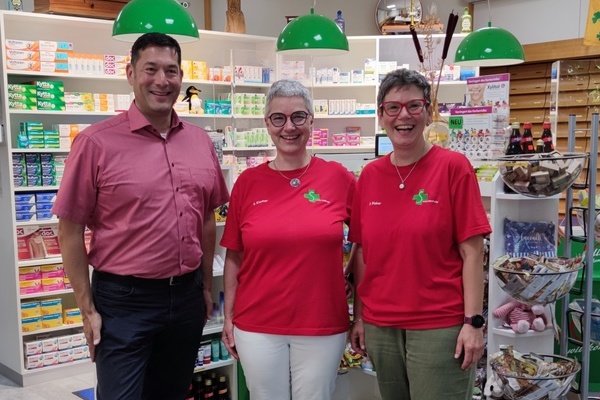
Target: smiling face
(289,139)
(405,130)
(156,81)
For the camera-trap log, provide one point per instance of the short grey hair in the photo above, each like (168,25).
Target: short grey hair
(401,78)
(289,88)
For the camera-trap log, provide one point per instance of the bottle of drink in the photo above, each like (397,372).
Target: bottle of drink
(190,394)
(514,147)
(547,138)
(198,387)
(340,21)
(527,139)
(223,390)
(209,392)
(539,146)
(514,141)
(465,23)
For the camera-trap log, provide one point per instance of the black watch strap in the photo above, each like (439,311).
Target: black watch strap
(477,321)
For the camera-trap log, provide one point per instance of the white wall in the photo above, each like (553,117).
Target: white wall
(531,21)
(535,21)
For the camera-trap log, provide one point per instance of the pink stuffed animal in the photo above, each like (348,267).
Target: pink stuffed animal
(522,317)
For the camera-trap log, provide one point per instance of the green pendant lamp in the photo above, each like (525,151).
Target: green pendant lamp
(165,16)
(312,35)
(489,47)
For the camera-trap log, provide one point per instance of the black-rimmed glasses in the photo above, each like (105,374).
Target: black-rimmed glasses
(414,107)
(298,118)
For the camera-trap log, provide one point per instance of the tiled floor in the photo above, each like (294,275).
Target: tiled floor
(60,389)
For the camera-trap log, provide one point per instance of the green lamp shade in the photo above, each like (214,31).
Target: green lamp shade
(313,35)
(488,47)
(164,16)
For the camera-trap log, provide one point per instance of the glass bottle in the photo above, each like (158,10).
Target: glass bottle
(514,147)
(527,139)
(209,392)
(465,23)
(547,138)
(340,21)
(223,391)
(198,387)
(514,141)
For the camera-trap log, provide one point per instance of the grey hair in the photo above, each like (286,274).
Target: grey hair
(401,78)
(289,88)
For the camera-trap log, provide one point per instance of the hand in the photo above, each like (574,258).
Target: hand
(209,303)
(227,338)
(357,337)
(470,344)
(91,328)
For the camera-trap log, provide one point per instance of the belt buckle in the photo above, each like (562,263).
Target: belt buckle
(173,282)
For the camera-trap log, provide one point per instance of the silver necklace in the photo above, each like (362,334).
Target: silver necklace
(402,180)
(294,182)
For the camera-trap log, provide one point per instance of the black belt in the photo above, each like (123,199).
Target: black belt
(146,282)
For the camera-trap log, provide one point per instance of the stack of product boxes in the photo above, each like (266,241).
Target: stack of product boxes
(42,279)
(34,206)
(38,169)
(46,351)
(21,96)
(351,137)
(320,137)
(50,95)
(38,55)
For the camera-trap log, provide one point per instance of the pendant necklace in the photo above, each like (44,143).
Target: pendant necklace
(294,182)
(402,180)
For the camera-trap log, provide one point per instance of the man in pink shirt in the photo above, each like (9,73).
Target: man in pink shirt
(146,184)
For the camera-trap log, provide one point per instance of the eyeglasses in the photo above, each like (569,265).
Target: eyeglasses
(413,107)
(298,118)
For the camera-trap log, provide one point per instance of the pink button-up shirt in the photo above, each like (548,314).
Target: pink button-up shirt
(143,197)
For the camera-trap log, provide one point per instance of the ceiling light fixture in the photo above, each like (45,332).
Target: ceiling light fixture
(489,46)
(164,16)
(313,35)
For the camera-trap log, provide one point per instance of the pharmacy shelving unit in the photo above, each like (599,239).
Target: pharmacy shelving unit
(88,36)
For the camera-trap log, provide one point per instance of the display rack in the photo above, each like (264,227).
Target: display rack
(588,238)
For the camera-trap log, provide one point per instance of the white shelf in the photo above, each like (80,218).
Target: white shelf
(45,294)
(215,365)
(40,261)
(212,329)
(345,116)
(55,329)
(258,148)
(507,332)
(342,149)
(520,197)
(36,188)
(75,364)
(35,223)
(40,150)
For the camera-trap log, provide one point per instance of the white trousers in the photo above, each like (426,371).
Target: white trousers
(273,363)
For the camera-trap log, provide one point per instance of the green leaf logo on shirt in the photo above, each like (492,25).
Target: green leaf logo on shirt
(312,196)
(420,197)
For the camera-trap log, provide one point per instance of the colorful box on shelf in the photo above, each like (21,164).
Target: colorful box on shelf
(31,309)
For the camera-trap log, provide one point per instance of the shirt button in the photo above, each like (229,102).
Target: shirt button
(182,239)
(180,214)
(177,189)
(172,164)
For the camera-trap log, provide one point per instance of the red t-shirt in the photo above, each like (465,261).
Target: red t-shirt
(143,197)
(291,278)
(410,237)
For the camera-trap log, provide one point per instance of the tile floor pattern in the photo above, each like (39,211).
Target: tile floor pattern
(60,389)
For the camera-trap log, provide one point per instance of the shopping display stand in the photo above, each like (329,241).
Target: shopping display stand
(588,238)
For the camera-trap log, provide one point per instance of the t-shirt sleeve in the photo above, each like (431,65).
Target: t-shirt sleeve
(232,235)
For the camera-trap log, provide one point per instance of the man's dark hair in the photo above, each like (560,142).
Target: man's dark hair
(154,39)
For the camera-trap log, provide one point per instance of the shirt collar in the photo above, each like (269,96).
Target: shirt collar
(137,120)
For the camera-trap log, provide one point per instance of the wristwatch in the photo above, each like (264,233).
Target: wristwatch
(477,321)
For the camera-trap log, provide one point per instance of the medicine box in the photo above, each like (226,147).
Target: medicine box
(32,347)
(30,309)
(72,316)
(49,345)
(34,361)
(51,306)
(51,321)
(31,324)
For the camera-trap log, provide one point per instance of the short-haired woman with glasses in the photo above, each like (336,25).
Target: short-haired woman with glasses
(418,222)
(286,316)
